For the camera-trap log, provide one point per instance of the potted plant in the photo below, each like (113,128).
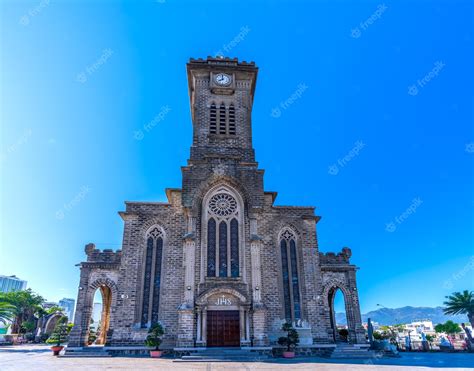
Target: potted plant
(291,340)
(58,336)
(153,340)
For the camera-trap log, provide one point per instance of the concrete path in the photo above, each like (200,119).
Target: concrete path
(39,357)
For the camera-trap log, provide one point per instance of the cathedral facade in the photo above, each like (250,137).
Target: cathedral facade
(219,264)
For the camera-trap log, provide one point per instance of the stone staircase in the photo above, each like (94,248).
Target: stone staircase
(351,351)
(222,355)
(91,351)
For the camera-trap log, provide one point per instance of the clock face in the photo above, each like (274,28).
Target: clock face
(222,79)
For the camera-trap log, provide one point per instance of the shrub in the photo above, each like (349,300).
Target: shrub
(153,340)
(291,339)
(60,332)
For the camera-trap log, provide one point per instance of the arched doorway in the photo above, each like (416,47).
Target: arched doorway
(99,321)
(223,319)
(338,315)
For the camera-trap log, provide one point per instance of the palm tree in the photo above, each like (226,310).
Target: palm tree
(461,303)
(7,312)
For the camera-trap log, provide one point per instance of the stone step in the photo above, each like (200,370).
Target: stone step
(222,355)
(347,351)
(86,352)
(85,355)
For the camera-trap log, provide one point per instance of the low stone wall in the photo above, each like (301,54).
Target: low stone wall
(306,351)
(135,352)
(276,351)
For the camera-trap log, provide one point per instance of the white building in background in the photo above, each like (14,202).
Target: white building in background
(11,283)
(68,305)
(96,313)
(49,304)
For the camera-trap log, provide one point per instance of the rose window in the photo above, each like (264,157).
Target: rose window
(222,204)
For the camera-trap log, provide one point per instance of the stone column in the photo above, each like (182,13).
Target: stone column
(80,332)
(255,247)
(199,327)
(185,327)
(247,326)
(204,326)
(356,330)
(242,325)
(260,326)
(259,310)
(311,300)
(189,262)
(186,309)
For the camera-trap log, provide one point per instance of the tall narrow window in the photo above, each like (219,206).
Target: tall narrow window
(231,119)
(211,247)
(294,281)
(286,283)
(234,248)
(222,249)
(157,280)
(222,120)
(213,119)
(147,280)
(223,236)
(289,268)
(152,277)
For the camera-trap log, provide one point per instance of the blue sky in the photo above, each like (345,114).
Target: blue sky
(387,98)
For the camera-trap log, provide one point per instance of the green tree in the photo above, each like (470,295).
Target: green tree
(28,308)
(54,309)
(449,328)
(378,336)
(60,332)
(7,312)
(391,333)
(461,303)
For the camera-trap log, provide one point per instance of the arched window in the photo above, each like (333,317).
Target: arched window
(213,119)
(211,247)
(222,120)
(231,119)
(152,276)
(223,241)
(289,269)
(234,248)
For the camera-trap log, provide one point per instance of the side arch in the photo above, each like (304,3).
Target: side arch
(91,281)
(329,293)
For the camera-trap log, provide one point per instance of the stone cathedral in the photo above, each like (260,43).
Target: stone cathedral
(220,264)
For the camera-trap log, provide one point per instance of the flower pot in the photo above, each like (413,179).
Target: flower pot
(155,353)
(288,354)
(56,349)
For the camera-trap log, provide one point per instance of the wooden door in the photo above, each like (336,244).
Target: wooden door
(223,328)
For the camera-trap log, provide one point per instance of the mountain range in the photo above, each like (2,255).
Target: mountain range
(393,316)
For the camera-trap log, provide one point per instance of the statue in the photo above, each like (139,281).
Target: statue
(469,340)
(370,331)
(407,343)
(445,344)
(424,342)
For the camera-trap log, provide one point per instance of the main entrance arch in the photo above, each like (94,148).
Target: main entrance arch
(222,318)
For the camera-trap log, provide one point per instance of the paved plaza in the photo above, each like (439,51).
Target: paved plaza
(38,357)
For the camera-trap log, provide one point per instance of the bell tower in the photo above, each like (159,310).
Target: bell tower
(221,92)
